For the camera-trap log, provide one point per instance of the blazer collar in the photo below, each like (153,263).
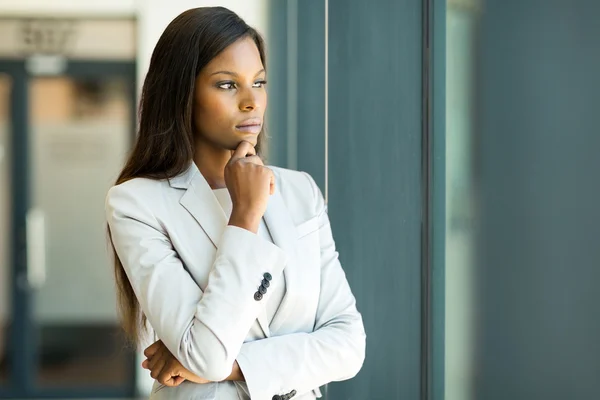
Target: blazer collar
(202,204)
(182,181)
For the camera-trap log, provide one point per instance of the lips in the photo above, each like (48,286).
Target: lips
(252,125)
(250,122)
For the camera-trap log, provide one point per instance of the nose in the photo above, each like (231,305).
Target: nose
(248,101)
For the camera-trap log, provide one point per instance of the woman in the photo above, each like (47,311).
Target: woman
(231,262)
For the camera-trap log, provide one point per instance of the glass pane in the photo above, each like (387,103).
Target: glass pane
(80,131)
(460,204)
(5,223)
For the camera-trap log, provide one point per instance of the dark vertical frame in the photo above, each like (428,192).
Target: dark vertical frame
(434,198)
(277,86)
(20,337)
(23,344)
(435,64)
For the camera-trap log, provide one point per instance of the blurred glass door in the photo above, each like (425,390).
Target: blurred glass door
(67,120)
(79,133)
(5,226)
(59,331)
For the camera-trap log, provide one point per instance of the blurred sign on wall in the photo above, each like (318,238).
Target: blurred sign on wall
(89,39)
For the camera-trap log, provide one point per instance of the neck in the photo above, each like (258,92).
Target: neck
(211,162)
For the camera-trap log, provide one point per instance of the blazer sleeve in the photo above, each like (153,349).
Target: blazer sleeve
(334,351)
(204,331)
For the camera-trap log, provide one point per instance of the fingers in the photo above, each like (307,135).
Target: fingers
(153,361)
(167,374)
(244,149)
(162,366)
(165,378)
(254,160)
(178,380)
(157,362)
(152,349)
(272,185)
(157,368)
(163,373)
(173,381)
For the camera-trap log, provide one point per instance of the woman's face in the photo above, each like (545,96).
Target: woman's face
(230,97)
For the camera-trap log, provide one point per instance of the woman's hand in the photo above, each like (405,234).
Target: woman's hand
(165,368)
(250,184)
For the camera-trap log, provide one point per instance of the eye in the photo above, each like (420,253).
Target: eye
(226,85)
(259,84)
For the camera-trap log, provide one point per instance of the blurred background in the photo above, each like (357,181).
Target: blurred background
(457,143)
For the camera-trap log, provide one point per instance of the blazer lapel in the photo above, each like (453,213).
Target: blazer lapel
(200,201)
(283,231)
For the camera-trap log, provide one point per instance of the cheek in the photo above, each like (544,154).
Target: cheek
(213,112)
(264,100)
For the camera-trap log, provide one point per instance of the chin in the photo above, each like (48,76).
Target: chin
(253,139)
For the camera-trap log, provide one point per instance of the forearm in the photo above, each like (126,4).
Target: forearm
(236,375)
(303,361)
(227,308)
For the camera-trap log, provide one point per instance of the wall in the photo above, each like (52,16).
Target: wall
(375,184)
(539,138)
(154,16)
(68,7)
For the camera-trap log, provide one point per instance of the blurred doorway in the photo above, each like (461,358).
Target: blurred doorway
(67,119)
(5,206)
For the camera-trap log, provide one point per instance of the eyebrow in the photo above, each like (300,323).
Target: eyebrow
(233,73)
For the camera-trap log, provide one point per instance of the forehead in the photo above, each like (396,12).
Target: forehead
(240,57)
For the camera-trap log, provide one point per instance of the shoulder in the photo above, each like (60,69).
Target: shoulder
(291,182)
(292,179)
(298,189)
(135,194)
(138,187)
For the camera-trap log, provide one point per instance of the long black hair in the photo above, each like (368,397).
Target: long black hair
(164,146)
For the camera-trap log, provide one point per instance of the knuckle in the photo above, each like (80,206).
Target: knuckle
(164,378)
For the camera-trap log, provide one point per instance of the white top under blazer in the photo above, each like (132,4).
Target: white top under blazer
(199,282)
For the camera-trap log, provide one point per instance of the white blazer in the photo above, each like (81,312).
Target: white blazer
(197,279)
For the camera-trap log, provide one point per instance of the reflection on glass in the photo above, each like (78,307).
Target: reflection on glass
(80,131)
(460,206)
(5,270)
